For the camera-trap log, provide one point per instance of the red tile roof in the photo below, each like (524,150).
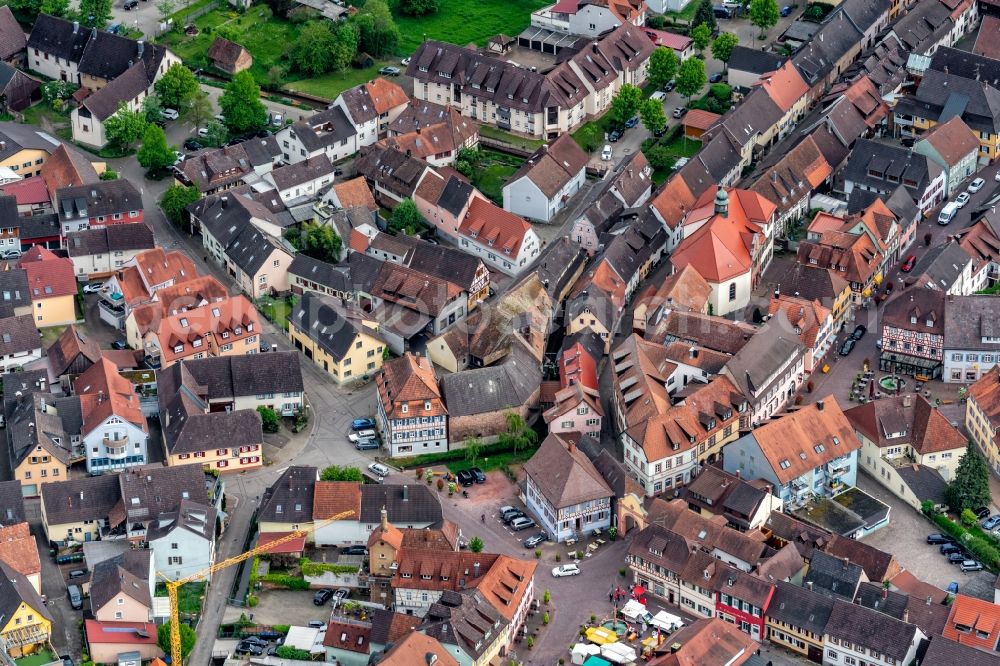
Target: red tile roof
(784,86)
(724,246)
(805,316)
(488,224)
(333,497)
(355,192)
(28,191)
(49,276)
(978,620)
(671,40)
(385,95)
(103,393)
(114,633)
(700,119)
(19,550)
(296,545)
(157,266)
(410,379)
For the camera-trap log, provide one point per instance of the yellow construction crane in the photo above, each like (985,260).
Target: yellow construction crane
(174,585)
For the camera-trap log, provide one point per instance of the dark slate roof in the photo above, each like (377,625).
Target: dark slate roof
(12,39)
(365,270)
(943,265)
(127,573)
(302,172)
(104,103)
(59,37)
(246,375)
(441,261)
(332,276)
(147,492)
(13,291)
(799,607)
(756,61)
(943,652)
(420,504)
(463,619)
(15,590)
(113,238)
(11,503)
(251,249)
(290,498)
(925,482)
(494,388)
(833,576)
(455,195)
(967,65)
(874,596)
(18,334)
(870,629)
(586,338)
(105,198)
(39,226)
(322,322)
(323,129)
(80,499)
(70,412)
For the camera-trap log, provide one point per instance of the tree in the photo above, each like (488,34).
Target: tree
(322,47)
(518,434)
(662,67)
(691,76)
(155,154)
(652,115)
(701,35)
(152,109)
(281,8)
(215,134)
(177,87)
(968,517)
(320,241)
(95,13)
(660,157)
(200,110)
(418,7)
(270,421)
(377,32)
(625,103)
(109,174)
(706,15)
(338,473)
(175,201)
(241,105)
(166,8)
(125,127)
(289,652)
(971,486)
(188,638)
(476,544)
(58,8)
(764,14)
(722,47)
(405,217)
(473,447)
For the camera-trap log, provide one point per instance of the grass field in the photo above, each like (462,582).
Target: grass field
(188,597)
(496,461)
(332,84)
(40,658)
(277,310)
(461,22)
(493,172)
(590,135)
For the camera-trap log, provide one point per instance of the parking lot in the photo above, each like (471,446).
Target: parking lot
(294,607)
(906,538)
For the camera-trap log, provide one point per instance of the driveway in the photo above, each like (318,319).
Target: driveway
(906,537)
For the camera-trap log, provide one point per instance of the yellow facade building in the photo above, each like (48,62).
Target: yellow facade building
(345,346)
(25,623)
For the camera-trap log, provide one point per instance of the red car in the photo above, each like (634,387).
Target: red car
(908,264)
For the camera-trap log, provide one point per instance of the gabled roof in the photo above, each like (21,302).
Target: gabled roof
(784,86)
(322,321)
(708,641)
(104,393)
(48,276)
(944,652)
(225,52)
(870,629)
(369,100)
(906,419)
(755,61)
(806,317)
(112,238)
(564,475)
(18,335)
(102,199)
(80,499)
(126,574)
(123,89)
(410,379)
(15,590)
(331,498)
(754,364)
(952,140)
(355,192)
(19,550)
(407,505)
(553,165)
(290,498)
(12,39)
(488,224)
(465,620)
(348,635)
(800,607)
(986,393)
(11,503)
(833,576)
(974,622)
(414,650)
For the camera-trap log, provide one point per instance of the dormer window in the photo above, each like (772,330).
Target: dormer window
(427,405)
(425,577)
(404,408)
(238,330)
(406,575)
(913,320)
(250,328)
(178,349)
(929,323)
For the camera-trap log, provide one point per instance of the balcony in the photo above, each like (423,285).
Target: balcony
(29,635)
(116,448)
(799,486)
(838,466)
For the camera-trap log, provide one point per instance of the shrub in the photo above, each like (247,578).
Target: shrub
(282,628)
(593,619)
(531,642)
(440,484)
(622,572)
(547,597)
(613,533)
(969,518)
(545,618)
(538,553)
(558,557)
(420,473)
(310,568)
(284,580)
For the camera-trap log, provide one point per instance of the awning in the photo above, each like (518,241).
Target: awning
(296,545)
(667,622)
(601,636)
(915,361)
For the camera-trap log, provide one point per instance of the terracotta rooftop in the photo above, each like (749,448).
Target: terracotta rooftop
(806,317)
(333,497)
(707,641)
(104,393)
(906,419)
(19,550)
(355,192)
(488,224)
(953,140)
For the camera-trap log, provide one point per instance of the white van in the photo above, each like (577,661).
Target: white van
(378,470)
(606,153)
(948,213)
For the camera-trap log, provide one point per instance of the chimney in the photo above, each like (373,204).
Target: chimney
(809,584)
(385,518)
(906,615)
(76,27)
(847,562)
(406,493)
(475,570)
(571,445)
(140,47)
(907,400)
(819,405)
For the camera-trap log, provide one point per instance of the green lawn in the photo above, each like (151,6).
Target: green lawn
(188,597)
(332,84)
(40,658)
(492,173)
(278,310)
(513,139)
(461,22)
(683,147)
(590,135)
(496,461)
(687,14)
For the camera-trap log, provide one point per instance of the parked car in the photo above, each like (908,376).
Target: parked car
(848,346)
(465,478)
(715,78)
(786,11)
(952,587)
(937,538)
(322,596)
(119,344)
(178,157)
(948,548)
(659,96)
(908,265)
(859,332)
(962,199)
(277,119)
(249,648)
(11,253)
(511,516)
(679,111)
(992,522)
(389,71)
(614,135)
(255,640)
(342,593)
(955,558)
(317,624)
(976,185)
(970,565)
(404,62)
(379,470)
(358,435)
(565,570)
(192,144)
(671,84)
(77,573)
(75,597)
(66,660)
(367,445)
(607,153)
(504,510)
(996,176)
(521,523)
(533,541)
(478,475)
(631,122)
(92,288)
(354,550)
(362,424)
(203,132)
(170,114)
(982,512)
(130,5)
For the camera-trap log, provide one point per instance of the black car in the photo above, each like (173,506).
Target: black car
(465,478)
(937,538)
(715,78)
(948,548)
(511,515)
(478,475)
(249,648)
(130,5)
(263,133)
(956,558)
(66,660)
(615,135)
(670,86)
(257,640)
(982,513)
(119,344)
(354,550)
(533,541)
(848,346)
(191,144)
(660,132)
(322,596)
(859,332)
(337,171)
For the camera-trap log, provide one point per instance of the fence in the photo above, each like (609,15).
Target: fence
(503,146)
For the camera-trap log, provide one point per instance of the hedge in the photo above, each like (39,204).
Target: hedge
(985,551)
(284,580)
(428,459)
(310,568)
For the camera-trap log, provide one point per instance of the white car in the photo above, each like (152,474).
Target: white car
(93,288)
(566,570)
(170,114)
(404,62)
(976,185)
(962,199)
(996,176)
(659,96)
(202,132)
(606,153)
(179,157)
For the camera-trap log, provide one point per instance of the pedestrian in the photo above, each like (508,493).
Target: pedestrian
(611,596)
